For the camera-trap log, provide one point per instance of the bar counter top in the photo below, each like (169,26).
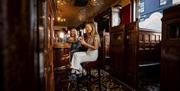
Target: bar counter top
(61,45)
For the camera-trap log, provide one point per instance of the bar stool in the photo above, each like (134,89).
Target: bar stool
(90,79)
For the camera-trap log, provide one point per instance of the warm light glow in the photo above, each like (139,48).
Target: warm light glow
(41,28)
(58,1)
(61,35)
(64,19)
(43,17)
(58,18)
(61,20)
(80,17)
(96,2)
(61,2)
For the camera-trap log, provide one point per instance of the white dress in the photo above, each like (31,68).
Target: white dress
(81,57)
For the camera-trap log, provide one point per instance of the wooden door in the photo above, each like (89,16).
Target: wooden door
(170,65)
(170,55)
(117,53)
(131,54)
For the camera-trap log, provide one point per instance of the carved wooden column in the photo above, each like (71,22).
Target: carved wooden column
(18,63)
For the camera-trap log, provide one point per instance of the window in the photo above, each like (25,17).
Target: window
(115,17)
(163,2)
(141,7)
(176,1)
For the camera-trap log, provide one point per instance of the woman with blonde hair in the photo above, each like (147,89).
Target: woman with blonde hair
(73,40)
(92,42)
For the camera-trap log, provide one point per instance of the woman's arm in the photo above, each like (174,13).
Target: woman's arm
(94,46)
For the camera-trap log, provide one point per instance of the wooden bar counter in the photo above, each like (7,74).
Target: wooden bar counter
(60,53)
(61,50)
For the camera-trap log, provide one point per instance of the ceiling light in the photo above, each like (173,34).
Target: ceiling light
(95,2)
(58,1)
(60,19)
(62,2)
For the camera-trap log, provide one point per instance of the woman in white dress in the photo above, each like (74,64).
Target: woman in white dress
(92,42)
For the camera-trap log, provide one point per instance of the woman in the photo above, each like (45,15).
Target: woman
(75,44)
(92,42)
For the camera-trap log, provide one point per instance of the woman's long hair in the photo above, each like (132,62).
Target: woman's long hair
(95,33)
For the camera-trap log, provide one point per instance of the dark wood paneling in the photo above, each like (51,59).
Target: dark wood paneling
(60,75)
(17,53)
(2,27)
(59,55)
(48,64)
(170,55)
(117,46)
(131,52)
(170,65)
(142,48)
(130,48)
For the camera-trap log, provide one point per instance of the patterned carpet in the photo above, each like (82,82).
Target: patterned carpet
(108,83)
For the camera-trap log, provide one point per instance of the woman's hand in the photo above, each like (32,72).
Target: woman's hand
(81,39)
(94,46)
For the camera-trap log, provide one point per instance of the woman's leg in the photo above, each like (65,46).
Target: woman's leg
(90,56)
(81,57)
(77,59)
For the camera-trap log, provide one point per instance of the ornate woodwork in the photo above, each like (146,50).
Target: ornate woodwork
(170,55)
(132,48)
